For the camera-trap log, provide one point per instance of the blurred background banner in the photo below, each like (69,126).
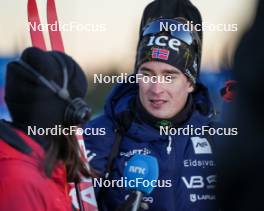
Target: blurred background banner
(3,62)
(102,37)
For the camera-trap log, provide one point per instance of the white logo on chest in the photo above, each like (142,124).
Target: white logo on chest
(201,145)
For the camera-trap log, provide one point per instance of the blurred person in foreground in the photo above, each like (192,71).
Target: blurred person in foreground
(43,90)
(241,168)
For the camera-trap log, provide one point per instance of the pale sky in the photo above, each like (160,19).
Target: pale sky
(115,46)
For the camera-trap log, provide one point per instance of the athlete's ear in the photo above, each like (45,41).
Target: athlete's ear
(190,87)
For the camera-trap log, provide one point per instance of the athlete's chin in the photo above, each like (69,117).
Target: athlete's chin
(163,113)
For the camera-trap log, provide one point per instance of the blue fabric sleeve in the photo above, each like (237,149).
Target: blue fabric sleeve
(98,146)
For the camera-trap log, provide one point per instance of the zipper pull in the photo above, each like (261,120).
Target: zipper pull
(169,146)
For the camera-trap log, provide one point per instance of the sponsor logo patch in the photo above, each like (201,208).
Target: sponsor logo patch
(201,145)
(143,151)
(198,163)
(201,197)
(198,182)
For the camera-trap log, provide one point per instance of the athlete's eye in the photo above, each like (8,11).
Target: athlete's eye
(146,74)
(170,76)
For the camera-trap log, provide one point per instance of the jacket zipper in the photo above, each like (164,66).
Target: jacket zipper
(169,145)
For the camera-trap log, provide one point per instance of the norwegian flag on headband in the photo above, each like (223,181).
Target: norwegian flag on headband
(158,53)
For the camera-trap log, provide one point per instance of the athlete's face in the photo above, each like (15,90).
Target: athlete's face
(163,100)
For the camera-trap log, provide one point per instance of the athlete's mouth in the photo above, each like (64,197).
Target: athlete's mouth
(156,103)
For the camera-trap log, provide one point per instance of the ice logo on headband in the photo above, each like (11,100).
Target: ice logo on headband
(164,41)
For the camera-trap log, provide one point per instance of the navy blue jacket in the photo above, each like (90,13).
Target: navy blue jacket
(188,161)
